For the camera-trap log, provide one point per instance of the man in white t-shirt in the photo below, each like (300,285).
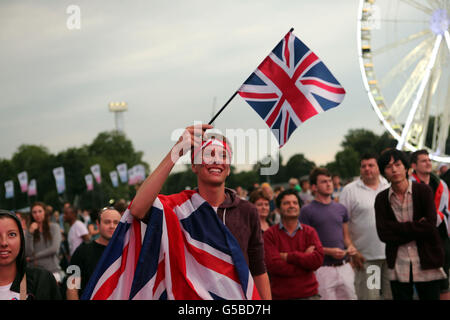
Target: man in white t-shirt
(370,261)
(78,233)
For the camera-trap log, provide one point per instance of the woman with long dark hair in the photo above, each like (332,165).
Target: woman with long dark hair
(42,241)
(17,279)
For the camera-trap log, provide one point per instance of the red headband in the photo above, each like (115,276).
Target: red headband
(211,141)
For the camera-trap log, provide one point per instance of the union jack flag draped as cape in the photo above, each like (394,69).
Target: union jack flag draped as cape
(290,86)
(183,252)
(441,199)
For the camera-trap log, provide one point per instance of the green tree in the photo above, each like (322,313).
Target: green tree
(429,135)
(298,166)
(6,173)
(365,141)
(356,143)
(108,149)
(360,140)
(271,164)
(74,162)
(282,175)
(115,147)
(346,163)
(245,179)
(35,160)
(178,181)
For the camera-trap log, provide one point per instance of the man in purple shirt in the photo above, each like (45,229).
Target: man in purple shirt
(330,219)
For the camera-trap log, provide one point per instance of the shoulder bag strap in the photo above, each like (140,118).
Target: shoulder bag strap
(23,288)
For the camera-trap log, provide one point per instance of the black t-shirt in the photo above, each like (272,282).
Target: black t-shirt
(86,256)
(41,285)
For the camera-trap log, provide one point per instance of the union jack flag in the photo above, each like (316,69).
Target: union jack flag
(441,198)
(290,86)
(183,252)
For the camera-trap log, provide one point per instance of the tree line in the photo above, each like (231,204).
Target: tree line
(108,149)
(111,148)
(345,164)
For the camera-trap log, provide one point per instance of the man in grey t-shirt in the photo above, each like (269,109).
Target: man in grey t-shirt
(330,219)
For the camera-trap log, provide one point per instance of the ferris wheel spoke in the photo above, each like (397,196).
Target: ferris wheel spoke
(443,122)
(410,86)
(403,21)
(401,41)
(443,127)
(407,61)
(420,91)
(418,6)
(424,111)
(444,4)
(447,39)
(434,4)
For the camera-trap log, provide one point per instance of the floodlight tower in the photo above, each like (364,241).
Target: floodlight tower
(118,108)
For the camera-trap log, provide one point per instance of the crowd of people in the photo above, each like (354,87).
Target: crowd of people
(45,246)
(381,236)
(376,237)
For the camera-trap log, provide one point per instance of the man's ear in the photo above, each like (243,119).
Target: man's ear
(194,169)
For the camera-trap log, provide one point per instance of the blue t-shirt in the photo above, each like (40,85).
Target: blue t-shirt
(327,219)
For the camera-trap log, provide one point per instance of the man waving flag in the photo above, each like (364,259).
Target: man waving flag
(290,86)
(181,251)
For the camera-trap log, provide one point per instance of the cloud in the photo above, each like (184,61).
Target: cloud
(168,61)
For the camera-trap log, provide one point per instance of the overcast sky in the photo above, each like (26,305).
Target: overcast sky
(168,60)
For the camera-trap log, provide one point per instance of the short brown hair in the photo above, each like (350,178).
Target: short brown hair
(287,193)
(317,172)
(256,195)
(415,155)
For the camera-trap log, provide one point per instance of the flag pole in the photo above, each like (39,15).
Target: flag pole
(229,100)
(221,109)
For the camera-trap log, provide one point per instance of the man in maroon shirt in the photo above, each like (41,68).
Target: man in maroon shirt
(293,252)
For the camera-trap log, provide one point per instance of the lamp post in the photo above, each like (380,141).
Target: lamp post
(118,108)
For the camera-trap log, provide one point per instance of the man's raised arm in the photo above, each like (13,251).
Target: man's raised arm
(151,187)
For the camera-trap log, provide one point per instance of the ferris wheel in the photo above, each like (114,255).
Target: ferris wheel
(404,56)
